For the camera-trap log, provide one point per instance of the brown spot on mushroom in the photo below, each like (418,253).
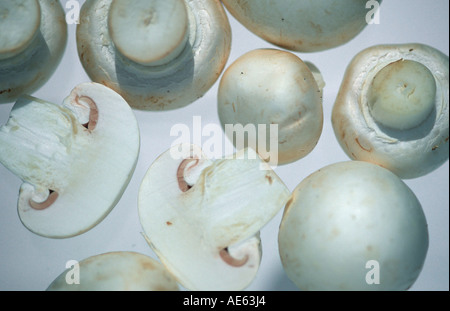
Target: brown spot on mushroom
(6,91)
(269,178)
(361,146)
(182,184)
(169,223)
(225,255)
(43,205)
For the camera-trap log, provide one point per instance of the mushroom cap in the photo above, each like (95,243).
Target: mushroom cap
(75,159)
(117,271)
(273,87)
(303,26)
(410,152)
(346,215)
(160,87)
(35,46)
(207,233)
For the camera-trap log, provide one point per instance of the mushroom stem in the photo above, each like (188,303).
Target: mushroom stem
(149,32)
(402,95)
(225,255)
(53,195)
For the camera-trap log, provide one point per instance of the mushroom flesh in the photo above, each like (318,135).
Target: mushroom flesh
(202,217)
(158,54)
(115,271)
(33,37)
(353,226)
(75,159)
(273,87)
(393,108)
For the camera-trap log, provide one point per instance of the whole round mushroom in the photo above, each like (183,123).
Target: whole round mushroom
(353,226)
(280,97)
(33,37)
(75,159)
(392,108)
(303,26)
(158,54)
(115,271)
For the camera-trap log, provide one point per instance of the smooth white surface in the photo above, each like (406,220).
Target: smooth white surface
(31,262)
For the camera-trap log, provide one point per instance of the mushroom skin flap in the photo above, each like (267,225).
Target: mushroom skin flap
(202,217)
(75,159)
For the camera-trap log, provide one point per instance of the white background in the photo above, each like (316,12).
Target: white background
(31,262)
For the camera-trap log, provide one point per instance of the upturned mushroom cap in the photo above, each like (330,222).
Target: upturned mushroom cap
(203,217)
(33,37)
(273,87)
(157,54)
(346,216)
(393,108)
(117,271)
(75,159)
(303,26)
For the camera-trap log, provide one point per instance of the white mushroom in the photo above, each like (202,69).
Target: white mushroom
(158,54)
(304,26)
(353,226)
(393,108)
(273,87)
(203,217)
(115,271)
(75,159)
(33,37)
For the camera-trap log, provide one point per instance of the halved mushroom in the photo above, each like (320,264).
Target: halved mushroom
(393,108)
(203,217)
(33,37)
(75,159)
(353,226)
(158,54)
(267,87)
(116,271)
(303,26)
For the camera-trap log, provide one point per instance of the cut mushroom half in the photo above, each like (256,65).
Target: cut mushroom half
(75,159)
(202,217)
(33,37)
(393,108)
(304,26)
(115,271)
(158,54)
(279,97)
(353,226)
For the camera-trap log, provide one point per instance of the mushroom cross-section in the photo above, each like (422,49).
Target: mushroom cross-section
(115,271)
(353,226)
(75,159)
(277,95)
(392,108)
(33,37)
(202,217)
(303,26)
(158,54)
